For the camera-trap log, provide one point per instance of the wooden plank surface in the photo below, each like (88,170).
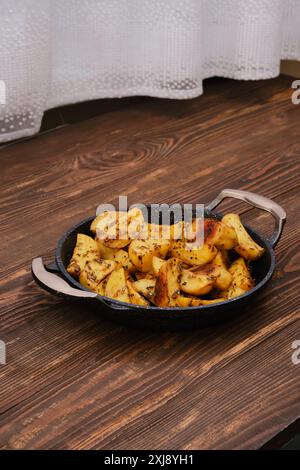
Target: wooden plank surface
(73,380)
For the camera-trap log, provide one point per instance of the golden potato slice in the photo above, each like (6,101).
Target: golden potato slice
(116,287)
(214,233)
(227,238)
(155,232)
(86,249)
(166,232)
(167,287)
(100,288)
(162,248)
(157,263)
(134,296)
(224,277)
(146,287)
(141,252)
(95,222)
(116,236)
(106,219)
(183,301)
(246,246)
(135,213)
(219,234)
(105,251)
(140,275)
(94,272)
(110,221)
(241,280)
(193,256)
(116,244)
(122,257)
(137,226)
(111,228)
(138,230)
(199,280)
(177,231)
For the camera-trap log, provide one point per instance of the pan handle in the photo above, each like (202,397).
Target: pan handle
(258,201)
(56,285)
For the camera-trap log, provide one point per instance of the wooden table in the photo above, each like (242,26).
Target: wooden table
(73,380)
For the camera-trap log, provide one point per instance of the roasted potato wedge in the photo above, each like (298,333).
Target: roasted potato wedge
(108,226)
(219,234)
(183,301)
(94,271)
(193,256)
(241,280)
(134,296)
(246,246)
(141,252)
(135,213)
(105,251)
(214,233)
(154,232)
(122,257)
(140,275)
(157,263)
(112,228)
(86,249)
(224,277)
(137,226)
(93,226)
(117,243)
(145,287)
(159,232)
(100,288)
(116,287)
(176,231)
(167,287)
(199,280)
(105,220)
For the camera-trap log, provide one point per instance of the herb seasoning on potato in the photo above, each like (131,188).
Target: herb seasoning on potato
(156,271)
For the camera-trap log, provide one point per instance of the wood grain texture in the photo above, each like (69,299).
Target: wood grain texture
(73,380)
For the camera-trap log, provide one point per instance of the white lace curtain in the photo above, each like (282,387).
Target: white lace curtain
(55,52)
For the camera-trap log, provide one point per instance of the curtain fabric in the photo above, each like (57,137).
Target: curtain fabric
(55,52)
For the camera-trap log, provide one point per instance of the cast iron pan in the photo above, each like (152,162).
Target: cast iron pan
(56,279)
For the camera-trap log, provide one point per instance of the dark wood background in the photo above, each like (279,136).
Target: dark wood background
(73,380)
